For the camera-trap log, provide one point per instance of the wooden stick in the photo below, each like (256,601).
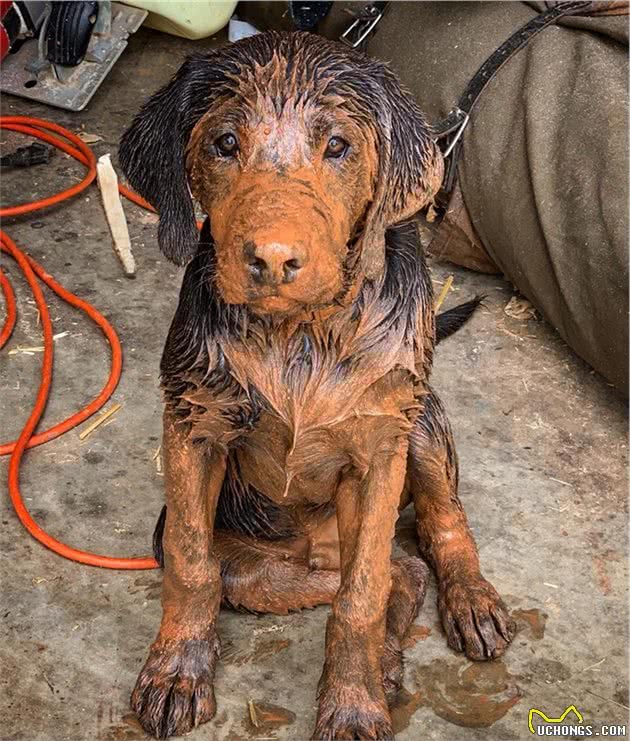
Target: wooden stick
(108,183)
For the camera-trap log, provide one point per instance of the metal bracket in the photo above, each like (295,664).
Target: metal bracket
(24,74)
(360,29)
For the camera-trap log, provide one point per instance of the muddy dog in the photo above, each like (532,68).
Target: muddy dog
(299,418)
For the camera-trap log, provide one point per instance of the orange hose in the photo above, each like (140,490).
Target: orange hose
(9,300)
(112,338)
(80,151)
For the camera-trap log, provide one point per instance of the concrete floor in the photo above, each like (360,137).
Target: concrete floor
(542,444)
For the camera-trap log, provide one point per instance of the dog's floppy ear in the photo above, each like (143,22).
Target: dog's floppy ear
(410,169)
(153,154)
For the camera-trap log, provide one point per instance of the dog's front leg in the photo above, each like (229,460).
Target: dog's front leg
(473,615)
(352,700)
(174,691)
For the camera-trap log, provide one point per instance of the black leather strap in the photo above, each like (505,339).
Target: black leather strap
(450,130)
(498,58)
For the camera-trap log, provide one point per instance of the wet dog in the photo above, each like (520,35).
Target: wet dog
(299,419)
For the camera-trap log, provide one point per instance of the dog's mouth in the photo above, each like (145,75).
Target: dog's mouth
(275,304)
(281,300)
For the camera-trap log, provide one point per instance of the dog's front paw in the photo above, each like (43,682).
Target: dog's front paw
(474,617)
(174,691)
(350,713)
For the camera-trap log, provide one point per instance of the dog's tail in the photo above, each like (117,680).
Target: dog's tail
(448,322)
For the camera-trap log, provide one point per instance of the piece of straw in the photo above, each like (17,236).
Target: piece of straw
(445,289)
(253,715)
(98,422)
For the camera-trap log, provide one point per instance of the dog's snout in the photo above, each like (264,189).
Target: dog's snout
(273,263)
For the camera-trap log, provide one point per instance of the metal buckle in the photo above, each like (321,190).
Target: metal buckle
(359,30)
(457,133)
(452,145)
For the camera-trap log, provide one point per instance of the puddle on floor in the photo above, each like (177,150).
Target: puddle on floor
(531,623)
(263,718)
(405,705)
(128,729)
(471,695)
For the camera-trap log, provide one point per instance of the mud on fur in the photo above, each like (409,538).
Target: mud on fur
(299,418)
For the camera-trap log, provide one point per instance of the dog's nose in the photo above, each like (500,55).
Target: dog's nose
(273,263)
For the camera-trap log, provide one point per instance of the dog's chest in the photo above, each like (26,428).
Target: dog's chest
(319,415)
(297,408)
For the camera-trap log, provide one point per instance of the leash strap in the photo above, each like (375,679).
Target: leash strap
(449,131)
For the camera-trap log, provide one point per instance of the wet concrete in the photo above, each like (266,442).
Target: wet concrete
(543,457)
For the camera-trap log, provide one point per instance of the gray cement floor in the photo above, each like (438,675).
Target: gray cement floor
(542,443)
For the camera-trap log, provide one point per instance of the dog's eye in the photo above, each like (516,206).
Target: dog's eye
(227,145)
(336,148)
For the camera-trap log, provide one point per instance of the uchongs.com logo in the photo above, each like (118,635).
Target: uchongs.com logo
(570,724)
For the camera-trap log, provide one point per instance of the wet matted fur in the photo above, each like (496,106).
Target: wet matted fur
(299,418)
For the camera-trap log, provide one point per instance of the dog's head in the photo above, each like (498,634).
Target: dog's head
(302,153)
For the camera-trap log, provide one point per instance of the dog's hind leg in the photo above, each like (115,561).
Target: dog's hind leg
(275,576)
(271,576)
(409,586)
(473,615)
(261,576)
